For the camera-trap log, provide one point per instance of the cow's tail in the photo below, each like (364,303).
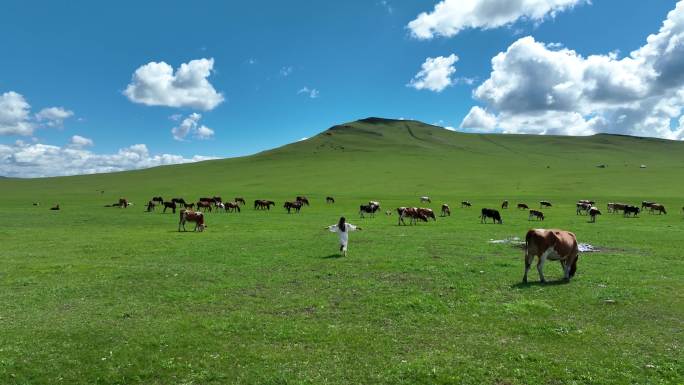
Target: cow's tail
(573,267)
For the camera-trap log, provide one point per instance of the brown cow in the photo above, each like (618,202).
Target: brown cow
(263,204)
(239,200)
(523,206)
(192,216)
(428,213)
(536,214)
(170,205)
(657,207)
(554,245)
(232,206)
(206,205)
(543,204)
(296,206)
(445,210)
(302,199)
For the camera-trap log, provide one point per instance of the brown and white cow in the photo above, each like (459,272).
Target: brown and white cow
(428,213)
(412,213)
(536,214)
(593,213)
(554,245)
(446,211)
(192,216)
(583,207)
(657,207)
(425,199)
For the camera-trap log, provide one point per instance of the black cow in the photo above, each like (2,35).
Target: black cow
(370,208)
(490,213)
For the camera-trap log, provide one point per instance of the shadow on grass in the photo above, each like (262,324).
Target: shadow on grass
(332,256)
(522,285)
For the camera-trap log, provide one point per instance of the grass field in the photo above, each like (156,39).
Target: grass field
(95,295)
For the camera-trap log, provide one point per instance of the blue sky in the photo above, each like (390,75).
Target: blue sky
(287,70)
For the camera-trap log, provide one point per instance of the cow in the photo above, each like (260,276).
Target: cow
(646,204)
(220,206)
(232,207)
(302,199)
(329,200)
(536,214)
(490,213)
(445,210)
(370,208)
(428,213)
(610,207)
(158,200)
(657,207)
(217,200)
(629,209)
(543,204)
(206,205)
(55,207)
(593,213)
(586,201)
(239,200)
(123,203)
(190,206)
(523,206)
(554,245)
(205,199)
(412,213)
(192,216)
(296,206)
(170,205)
(262,204)
(618,207)
(178,201)
(425,199)
(504,205)
(150,206)
(582,207)
(466,204)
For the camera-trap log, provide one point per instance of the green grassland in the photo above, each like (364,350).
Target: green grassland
(97,295)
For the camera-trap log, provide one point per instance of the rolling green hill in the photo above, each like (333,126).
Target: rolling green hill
(99,295)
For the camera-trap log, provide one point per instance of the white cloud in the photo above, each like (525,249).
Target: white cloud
(156,84)
(450,17)
(303,139)
(386,4)
(435,74)
(310,92)
(286,71)
(190,125)
(537,88)
(38,160)
(14,115)
(80,141)
(54,116)
(479,119)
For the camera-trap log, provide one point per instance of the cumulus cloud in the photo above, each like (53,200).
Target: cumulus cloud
(449,17)
(39,160)
(80,141)
(479,119)
(156,84)
(310,92)
(190,125)
(14,115)
(538,88)
(435,74)
(54,116)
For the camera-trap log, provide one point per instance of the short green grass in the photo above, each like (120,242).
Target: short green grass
(95,295)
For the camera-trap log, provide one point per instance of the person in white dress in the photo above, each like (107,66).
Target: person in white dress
(342,228)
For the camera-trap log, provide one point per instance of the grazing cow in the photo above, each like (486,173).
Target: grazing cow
(217,199)
(543,204)
(490,213)
(170,205)
(536,214)
(593,212)
(646,204)
(618,207)
(178,201)
(302,199)
(190,206)
(445,210)
(239,200)
(296,206)
(55,207)
(428,213)
(504,205)
(554,245)
(657,207)
(205,199)
(329,200)
(263,204)
(370,208)
(412,213)
(123,203)
(425,199)
(191,216)
(150,206)
(582,208)
(465,204)
(629,209)
(523,206)
(158,200)
(231,207)
(206,205)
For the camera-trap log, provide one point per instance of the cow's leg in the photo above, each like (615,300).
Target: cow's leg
(528,263)
(540,264)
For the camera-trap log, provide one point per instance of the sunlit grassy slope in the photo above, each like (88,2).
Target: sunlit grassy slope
(96,295)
